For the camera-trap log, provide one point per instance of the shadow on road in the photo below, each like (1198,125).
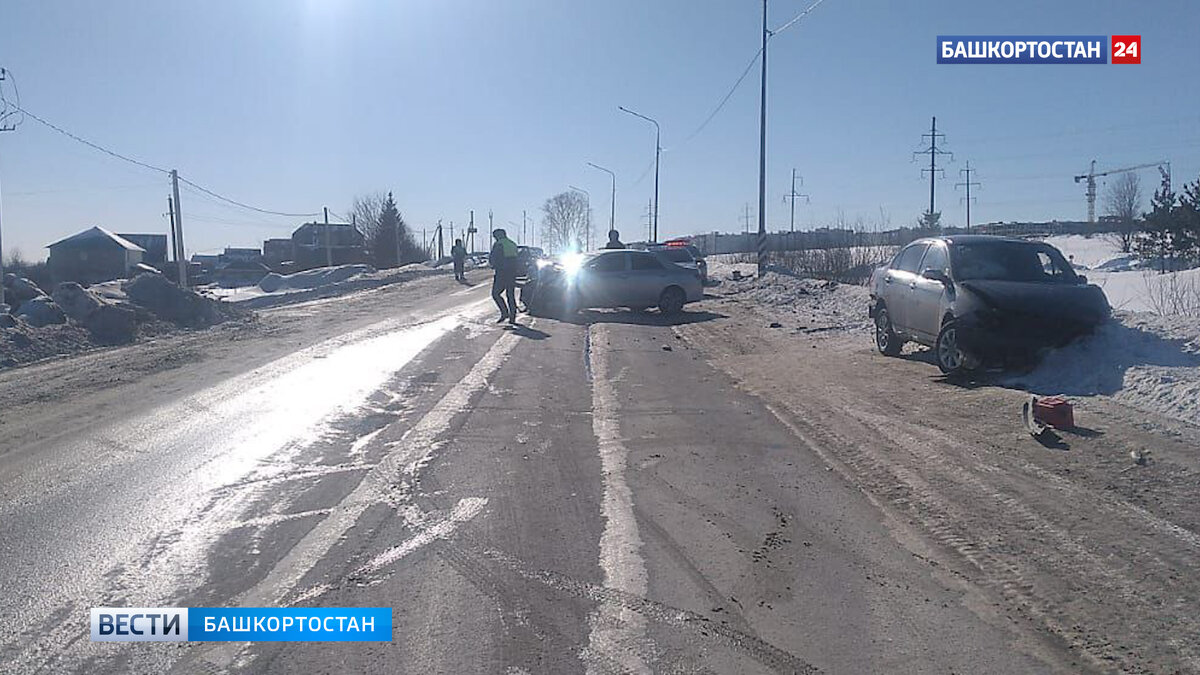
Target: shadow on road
(648,318)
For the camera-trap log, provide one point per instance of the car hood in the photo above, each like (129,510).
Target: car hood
(1077,303)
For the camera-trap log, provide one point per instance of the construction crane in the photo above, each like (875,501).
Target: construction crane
(1091,176)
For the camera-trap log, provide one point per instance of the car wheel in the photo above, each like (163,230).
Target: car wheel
(886,340)
(671,301)
(948,351)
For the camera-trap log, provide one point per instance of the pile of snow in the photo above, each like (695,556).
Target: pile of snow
(322,282)
(804,304)
(1143,360)
(309,279)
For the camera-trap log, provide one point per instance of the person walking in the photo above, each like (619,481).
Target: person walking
(503,259)
(614,240)
(458,253)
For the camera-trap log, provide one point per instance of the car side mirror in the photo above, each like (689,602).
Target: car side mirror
(1082,279)
(936,275)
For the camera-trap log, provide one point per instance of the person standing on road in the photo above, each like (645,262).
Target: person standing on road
(503,260)
(614,240)
(458,253)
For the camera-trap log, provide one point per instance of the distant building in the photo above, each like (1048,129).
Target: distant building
(93,256)
(232,254)
(240,273)
(207,261)
(276,251)
(313,244)
(155,246)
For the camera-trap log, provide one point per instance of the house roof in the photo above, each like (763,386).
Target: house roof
(97,235)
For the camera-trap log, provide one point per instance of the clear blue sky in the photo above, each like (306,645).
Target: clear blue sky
(457,105)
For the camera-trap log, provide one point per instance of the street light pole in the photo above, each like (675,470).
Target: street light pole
(762,153)
(657,154)
(612,208)
(587,216)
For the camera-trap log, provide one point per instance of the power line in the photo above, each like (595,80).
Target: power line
(799,16)
(125,158)
(725,99)
(88,143)
(245,206)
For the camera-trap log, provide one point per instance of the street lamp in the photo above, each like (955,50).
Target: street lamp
(657,152)
(588,216)
(612,208)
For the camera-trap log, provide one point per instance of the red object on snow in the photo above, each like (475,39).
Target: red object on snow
(1054,411)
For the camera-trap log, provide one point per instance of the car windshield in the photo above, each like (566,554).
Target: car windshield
(1009,261)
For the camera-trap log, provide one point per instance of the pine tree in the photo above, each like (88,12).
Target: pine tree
(389,227)
(1159,227)
(1188,223)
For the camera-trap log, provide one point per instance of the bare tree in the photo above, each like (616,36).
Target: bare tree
(564,222)
(1123,201)
(366,211)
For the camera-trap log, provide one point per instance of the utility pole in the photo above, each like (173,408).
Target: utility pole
(441,250)
(745,218)
(933,153)
(328,241)
(181,258)
(649,216)
(762,152)
(793,196)
(171,221)
(968,183)
(524,240)
(3,128)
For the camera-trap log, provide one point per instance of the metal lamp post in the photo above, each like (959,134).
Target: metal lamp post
(588,216)
(612,208)
(657,153)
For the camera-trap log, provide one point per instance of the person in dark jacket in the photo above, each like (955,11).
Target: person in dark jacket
(458,253)
(503,260)
(614,240)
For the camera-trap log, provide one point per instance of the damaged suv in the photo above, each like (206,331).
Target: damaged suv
(980,300)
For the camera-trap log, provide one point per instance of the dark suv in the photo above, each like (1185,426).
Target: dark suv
(978,299)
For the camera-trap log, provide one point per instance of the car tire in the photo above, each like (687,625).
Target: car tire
(886,340)
(948,353)
(671,301)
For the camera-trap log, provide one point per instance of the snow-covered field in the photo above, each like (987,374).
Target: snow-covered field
(1128,287)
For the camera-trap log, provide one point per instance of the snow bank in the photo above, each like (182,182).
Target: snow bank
(309,279)
(322,282)
(1146,361)
(816,305)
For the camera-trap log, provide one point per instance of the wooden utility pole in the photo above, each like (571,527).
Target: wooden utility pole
(181,258)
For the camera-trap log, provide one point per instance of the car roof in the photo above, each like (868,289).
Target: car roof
(979,239)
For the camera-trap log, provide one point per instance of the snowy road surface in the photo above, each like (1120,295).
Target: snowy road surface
(584,496)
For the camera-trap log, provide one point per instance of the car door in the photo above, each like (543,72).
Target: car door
(605,279)
(926,297)
(898,281)
(648,276)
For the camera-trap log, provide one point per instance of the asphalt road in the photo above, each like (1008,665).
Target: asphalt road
(589,496)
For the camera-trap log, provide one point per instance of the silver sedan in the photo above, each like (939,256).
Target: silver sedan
(614,278)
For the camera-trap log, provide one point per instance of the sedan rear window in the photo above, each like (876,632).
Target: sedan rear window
(645,262)
(677,255)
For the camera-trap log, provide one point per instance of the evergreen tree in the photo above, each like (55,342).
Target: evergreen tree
(1160,227)
(1187,226)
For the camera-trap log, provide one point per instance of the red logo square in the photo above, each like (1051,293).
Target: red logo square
(1127,49)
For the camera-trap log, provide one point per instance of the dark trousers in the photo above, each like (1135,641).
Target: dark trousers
(502,285)
(458,269)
